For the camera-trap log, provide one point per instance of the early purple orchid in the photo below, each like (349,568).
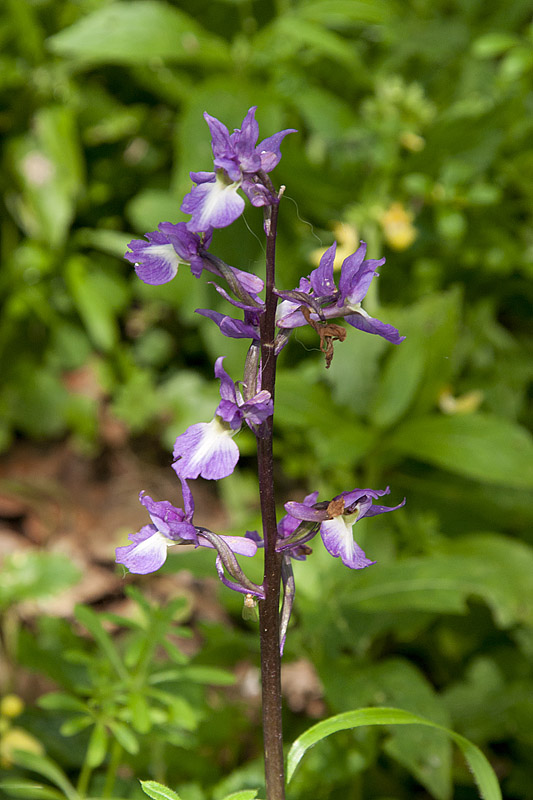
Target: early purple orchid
(207,449)
(239,164)
(157,260)
(170,526)
(319,294)
(336,520)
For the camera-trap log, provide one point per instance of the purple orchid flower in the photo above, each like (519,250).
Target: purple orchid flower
(319,294)
(157,260)
(207,449)
(170,526)
(336,520)
(239,164)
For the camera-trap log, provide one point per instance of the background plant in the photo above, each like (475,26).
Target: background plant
(407,130)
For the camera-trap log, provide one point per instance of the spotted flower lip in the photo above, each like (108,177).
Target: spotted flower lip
(148,548)
(337,518)
(239,163)
(320,295)
(207,449)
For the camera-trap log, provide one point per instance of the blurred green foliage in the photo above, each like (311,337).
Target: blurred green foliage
(415,127)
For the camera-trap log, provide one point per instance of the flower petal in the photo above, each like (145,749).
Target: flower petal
(338,539)
(213,205)
(207,450)
(364,322)
(147,553)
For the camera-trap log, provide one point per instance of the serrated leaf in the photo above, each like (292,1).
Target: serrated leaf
(157,791)
(479,446)
(480,767)
(136,33)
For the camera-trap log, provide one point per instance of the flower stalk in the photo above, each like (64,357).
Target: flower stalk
(208,449)
(269,607)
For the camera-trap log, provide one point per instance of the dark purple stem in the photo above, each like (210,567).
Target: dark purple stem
(269,607)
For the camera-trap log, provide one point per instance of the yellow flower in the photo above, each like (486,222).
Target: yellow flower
(11,705)
(465,404)
(398,228)
(18,739)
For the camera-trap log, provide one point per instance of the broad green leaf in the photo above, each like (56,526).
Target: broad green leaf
(400,379)
(48,769)
(479,446)
(395,681)
(29,790)
(136,33)
(246,794)
(482,771)
(94,302)
(343,13)
(49,165)
(34,575)
(157,791)
(492,567)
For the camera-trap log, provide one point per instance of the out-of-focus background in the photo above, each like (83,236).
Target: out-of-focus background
(415,123)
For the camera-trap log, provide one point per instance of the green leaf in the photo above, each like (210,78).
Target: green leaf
(33,575)
(490,566)
(97,747)
(400,379)
(342,13)
(481,769)
(479,446)
(246,794)
(29,790)
(49,165)
(58,701)
(46,767)
(93,302)
(136,33)
(157,791)
(92,622)
(397,682)
(124,736)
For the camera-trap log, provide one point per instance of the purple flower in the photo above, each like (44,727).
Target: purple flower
(319,294)
(157,260)
(207,449)
(170,526)
(336,520)
(239,164)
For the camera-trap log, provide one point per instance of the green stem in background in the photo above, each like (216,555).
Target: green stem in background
(112,768)
(269,607)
